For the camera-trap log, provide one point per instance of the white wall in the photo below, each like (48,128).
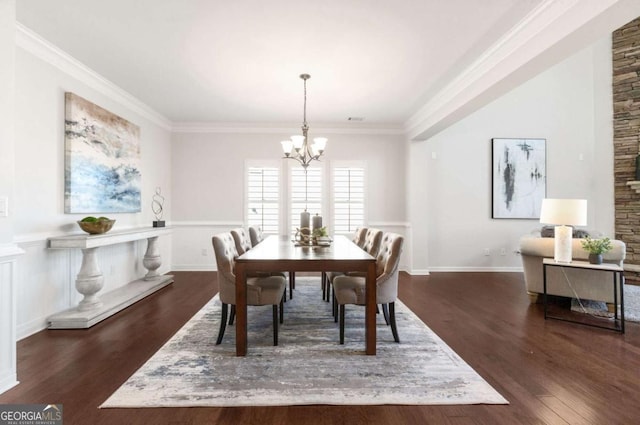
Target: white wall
(46,278)
(570,107)
(7,98)
(208,183)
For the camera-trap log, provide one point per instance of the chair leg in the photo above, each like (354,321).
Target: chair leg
(341,324)
(323,284)
(394,328)
(329,286)
(335,307)
(385,311)
(292,283)
(223,323)
(232,316)
(275,324)
(284,297)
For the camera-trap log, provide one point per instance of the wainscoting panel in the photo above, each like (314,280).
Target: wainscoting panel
(8,266)
(192,248)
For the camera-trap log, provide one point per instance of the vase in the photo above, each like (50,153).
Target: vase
(595,258)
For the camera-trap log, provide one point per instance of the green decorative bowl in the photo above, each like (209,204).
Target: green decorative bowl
(96,227)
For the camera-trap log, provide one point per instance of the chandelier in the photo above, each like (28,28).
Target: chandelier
(298,147)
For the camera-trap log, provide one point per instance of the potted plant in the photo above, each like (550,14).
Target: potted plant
(595,248)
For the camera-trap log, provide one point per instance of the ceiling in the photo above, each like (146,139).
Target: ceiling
(239,61)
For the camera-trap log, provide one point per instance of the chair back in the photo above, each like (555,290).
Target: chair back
(372,241)
(360,236)
(255,234)
(242,240)
(387,262)
(225,251)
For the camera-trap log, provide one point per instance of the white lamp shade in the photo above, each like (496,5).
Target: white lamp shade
(571,212)
(320,143)
(298,141)
(287,146)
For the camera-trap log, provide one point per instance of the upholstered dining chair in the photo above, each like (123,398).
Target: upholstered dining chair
(267,290)
(245,242)
(371,244)
(359,238)
(351,289)
(242,240)
(255,235)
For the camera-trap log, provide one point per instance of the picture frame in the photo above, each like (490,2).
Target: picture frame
(102,160)
(519,176)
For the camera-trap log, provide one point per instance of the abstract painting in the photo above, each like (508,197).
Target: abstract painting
(102,160)
(519,177)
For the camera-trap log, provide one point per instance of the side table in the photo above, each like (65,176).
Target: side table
(618,283)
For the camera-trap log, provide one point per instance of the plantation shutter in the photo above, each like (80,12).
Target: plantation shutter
(348,202)
(311,199)
(263,198)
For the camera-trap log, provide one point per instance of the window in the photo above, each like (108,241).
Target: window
(263,198)
(311,198)
(348,199)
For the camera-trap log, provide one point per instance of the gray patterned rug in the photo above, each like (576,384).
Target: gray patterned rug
(308,366)
(599,308)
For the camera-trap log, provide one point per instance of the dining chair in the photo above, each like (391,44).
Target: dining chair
(266,290)
(255,235)
(358,238)
(371,244)
(246,242)
(351,289)
(241,239)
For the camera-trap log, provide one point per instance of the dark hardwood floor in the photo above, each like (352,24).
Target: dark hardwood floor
(551,372)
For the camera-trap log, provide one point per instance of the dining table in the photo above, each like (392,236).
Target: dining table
(278,253)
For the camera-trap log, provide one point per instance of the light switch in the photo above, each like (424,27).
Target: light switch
(4,206)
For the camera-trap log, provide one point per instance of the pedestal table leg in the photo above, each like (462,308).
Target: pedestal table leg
(152,260)
(90,280)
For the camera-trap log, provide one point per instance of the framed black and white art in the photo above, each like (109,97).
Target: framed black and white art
(519,177)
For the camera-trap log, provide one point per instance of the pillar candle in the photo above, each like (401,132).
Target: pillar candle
(305,217)
(316,222)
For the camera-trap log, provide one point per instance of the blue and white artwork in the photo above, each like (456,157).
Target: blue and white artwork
(102,160)
(519,177)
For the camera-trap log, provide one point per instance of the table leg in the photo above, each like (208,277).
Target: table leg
(621,282)
(241,310)
(152,260)
(370,313)
(89,280)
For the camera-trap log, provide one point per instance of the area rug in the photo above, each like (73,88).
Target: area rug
(308,366)
(599,308)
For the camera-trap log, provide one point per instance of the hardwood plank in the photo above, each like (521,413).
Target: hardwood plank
(551,372)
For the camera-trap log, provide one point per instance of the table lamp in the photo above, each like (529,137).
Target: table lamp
(564,213)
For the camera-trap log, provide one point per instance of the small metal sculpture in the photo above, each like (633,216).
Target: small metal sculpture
(157,208)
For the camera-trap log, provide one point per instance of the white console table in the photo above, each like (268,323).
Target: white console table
(92,308)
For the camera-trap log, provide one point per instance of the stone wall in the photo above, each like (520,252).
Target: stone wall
(626,135)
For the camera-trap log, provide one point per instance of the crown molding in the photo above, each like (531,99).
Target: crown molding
(287,128)
(51,54)
(546,25)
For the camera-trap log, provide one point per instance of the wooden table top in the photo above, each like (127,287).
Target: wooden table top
(275,248)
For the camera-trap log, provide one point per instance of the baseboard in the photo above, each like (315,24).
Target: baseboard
(8,382)
(25,330)
(193,268)
(476,269)
(418,272)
